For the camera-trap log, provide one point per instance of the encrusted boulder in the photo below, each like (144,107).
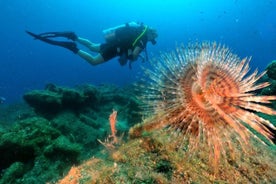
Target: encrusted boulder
(54,99)
(25,140)
(44,100)
(32,145)
(85,99)
(271,70)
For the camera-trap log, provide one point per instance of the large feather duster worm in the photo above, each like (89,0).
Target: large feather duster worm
(204,94)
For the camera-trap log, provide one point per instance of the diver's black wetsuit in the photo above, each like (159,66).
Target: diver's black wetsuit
(124,41)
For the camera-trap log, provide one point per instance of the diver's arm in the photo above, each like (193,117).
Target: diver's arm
(137,50)
(95,47)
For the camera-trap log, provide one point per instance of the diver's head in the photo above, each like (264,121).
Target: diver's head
(152,35)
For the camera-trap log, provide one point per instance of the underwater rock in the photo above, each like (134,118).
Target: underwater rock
(271,89)
(63,131)
(44,101)
(85,99)
(151,159)
(271,70)
(24,140)
(89,121)
(63,148)
(34,144)
(124,100)
(14,152)
(16,170)
(51,87)
(55,99)
(72,98)
(91,93)
(79,132)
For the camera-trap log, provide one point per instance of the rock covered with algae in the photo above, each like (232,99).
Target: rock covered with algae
(39,144)
(32,145)
(54,100)
(151,159)
(271,78)
(271,70)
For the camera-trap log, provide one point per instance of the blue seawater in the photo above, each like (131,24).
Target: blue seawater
(246,26)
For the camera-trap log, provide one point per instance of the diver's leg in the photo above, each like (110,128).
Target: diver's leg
(98,59)
(95,47)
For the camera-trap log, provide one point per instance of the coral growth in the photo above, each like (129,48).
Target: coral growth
(112,122)
(205,95)
(112,140)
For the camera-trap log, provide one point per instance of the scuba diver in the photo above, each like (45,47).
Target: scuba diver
(126,41)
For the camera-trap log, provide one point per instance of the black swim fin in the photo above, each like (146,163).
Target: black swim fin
(66,34)
(68,45)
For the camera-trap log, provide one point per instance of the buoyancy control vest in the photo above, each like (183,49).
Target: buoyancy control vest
(126,33)
(126,37)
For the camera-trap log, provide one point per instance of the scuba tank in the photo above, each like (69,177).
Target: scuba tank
(110,33)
